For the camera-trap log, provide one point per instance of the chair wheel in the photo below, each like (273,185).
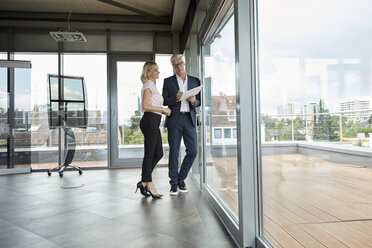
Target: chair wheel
(60,174)
(49,173)
(80,172)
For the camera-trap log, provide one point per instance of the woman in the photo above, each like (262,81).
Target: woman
(152,106)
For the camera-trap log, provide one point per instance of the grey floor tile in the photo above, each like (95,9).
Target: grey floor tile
(19,201)
(26,215)
(66,223)
(44,244)
(113,209)
(155,240)
(84,200)
(165,213)
(60,194)
(190,230)
(13,236)
(106,234)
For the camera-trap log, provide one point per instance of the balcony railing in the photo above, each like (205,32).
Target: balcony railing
(343,127)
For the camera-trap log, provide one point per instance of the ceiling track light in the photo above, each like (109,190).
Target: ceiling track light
(61,36)
(67,35)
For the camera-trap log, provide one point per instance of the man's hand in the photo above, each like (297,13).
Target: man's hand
(191,99)
(179,95)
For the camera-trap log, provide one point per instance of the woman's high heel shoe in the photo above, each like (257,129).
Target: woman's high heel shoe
(158,196)
(142,189)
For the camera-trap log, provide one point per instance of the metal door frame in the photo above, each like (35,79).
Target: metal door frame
(112,117)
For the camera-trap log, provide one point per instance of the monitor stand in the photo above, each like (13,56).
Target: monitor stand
(68,154)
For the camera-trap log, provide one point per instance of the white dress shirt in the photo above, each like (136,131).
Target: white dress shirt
(183,87)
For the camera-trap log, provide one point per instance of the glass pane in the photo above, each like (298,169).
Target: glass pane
(130,138)
(73,89)
(22,116)
(54,118)
(220,117)
(91,142)
(315,85)
(53,87)
(44,141)
(4,128)
(76,115)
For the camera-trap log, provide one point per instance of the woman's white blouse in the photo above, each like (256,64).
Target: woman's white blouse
(156,98)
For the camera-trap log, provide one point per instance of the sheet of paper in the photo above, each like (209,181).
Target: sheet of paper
(191,92)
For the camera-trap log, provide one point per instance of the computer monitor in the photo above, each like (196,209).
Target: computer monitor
(71,102)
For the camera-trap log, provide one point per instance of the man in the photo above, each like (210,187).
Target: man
(181,123)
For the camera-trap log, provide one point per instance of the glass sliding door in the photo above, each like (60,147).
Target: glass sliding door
(126,136)
(315,80)
(220,126)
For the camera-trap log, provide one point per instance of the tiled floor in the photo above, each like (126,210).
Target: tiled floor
(35,212)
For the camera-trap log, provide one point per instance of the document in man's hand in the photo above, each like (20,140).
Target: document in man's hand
(192,92)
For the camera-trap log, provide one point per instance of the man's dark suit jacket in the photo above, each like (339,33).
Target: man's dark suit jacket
(170,89)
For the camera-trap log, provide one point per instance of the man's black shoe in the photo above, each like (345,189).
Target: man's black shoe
(182,186)
(174,189)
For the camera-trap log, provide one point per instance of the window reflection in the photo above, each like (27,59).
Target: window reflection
(220,116)
(315,99)
(91,142)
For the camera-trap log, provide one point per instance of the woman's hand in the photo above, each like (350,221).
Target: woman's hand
(166,111)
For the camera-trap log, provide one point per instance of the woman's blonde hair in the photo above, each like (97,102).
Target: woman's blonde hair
(146,67)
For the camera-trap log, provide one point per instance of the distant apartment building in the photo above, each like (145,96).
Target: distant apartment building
(308,110)
(290,109)
(353,110)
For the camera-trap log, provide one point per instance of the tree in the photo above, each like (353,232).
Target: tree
(132,133)
(326,127)
(370,119)
(285,127)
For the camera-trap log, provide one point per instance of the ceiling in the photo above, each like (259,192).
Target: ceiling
(167,15)
(157,7)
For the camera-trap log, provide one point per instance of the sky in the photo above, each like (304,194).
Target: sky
(312,50)
(307,50)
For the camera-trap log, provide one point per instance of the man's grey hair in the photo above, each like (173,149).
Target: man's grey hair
(176,56)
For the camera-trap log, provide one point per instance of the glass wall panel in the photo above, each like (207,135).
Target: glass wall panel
(44,141)
(3,114)
(3,118)
(315,85)
(130,138)
(91,142)
(219,116)
(22,117)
